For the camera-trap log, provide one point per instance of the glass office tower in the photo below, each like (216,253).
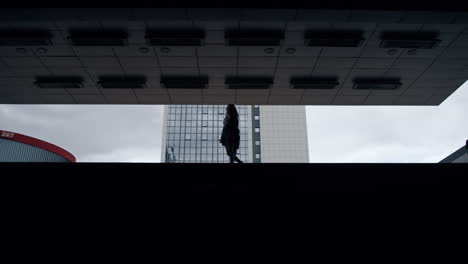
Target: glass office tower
(269,134)
(192,134)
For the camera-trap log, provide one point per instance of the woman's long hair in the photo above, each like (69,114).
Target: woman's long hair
(231,111)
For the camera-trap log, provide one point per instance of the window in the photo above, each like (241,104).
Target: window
(205,123)
(257,156)
(187,137)
(257,142)
(256,106)
(256,117)
(257,130)
(204,137)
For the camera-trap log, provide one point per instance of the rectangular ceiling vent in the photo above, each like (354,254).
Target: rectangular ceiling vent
(314,82)
(59,82)
(98,37)
(251,37)
(409,40)
(248,82)
(25,37)
(184,82)
(122,82)
(175,37)
(376,83)
(334,38)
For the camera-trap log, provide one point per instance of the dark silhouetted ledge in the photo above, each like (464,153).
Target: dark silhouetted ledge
(379,184)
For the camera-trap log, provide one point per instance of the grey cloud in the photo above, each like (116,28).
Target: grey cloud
(93,133)
(388,133)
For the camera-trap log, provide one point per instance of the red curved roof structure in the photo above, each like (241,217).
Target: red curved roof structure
(37,143)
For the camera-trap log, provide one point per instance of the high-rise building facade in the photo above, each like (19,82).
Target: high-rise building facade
(191,134)
(283,134)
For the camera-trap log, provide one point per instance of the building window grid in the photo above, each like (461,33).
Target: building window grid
(214,152)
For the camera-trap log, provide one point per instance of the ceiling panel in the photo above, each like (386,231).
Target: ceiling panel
(226,62)
(268,72)
(154,99)
(341,52)
(379,100)
(91,51)
(375,16)
(175,51)
(348,100)
(373,63)
(434,73)
(258,51)
(23,62)
(284,100)
(327,62)
(134,51)
(297,62)
(217,51)
(296,51)
(143,62)
(257,62)
(425,17)
(178,61)
(120,99)
(102,62)
(179,71)
(317,100)
(65,62)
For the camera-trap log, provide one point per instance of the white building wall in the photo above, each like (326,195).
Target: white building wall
(283,134)
(164,134)
(249,133)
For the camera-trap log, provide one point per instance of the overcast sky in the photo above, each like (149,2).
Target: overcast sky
(119,133)
(388,133)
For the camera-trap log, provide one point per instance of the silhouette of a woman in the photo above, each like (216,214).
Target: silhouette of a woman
(230,136)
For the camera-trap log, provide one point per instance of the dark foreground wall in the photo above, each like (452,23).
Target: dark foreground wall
(413,185)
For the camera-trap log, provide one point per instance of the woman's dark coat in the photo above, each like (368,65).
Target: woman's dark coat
(231,134)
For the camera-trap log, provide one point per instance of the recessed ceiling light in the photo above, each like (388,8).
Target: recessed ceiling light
(412,52)
(21,50)
(290,50)
(269,50)
(143,50)
(253,37)
(165,49)
(392,52)
(41,50)
(175,37)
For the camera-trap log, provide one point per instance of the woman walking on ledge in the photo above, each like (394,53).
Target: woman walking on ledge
(230,136)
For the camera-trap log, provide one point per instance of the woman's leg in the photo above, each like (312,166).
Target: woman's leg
(237,159)
(228,152)
(234,152)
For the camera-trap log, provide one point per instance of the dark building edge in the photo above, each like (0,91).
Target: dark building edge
(329,185)
(457,154)
(448,5)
